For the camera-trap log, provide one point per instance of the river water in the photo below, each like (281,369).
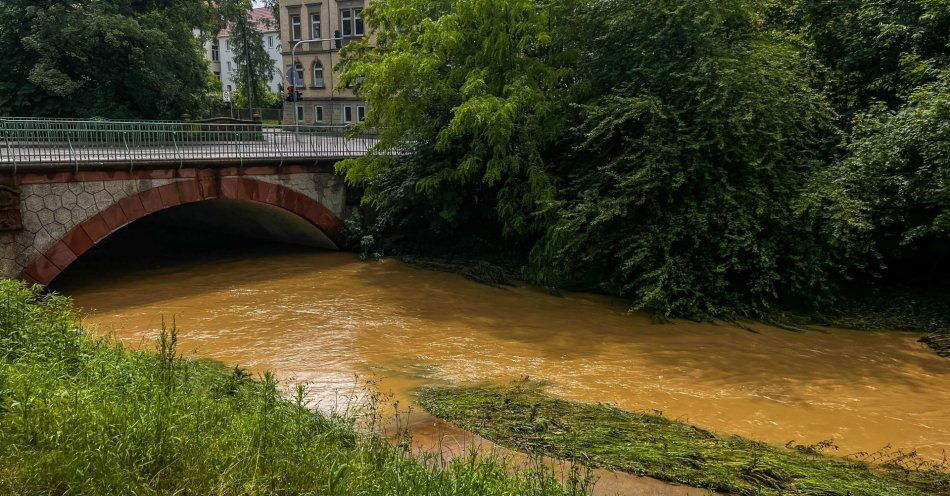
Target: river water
(325,318)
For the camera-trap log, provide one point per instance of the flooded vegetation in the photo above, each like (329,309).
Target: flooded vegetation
(522,416)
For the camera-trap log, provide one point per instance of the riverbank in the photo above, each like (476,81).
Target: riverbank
(523,417)
(863,309)
(84,415)
(895,308)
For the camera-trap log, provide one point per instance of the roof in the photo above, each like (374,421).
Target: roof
(262,17)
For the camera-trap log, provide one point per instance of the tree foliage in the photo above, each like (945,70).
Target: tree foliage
(875,50)
(697,130)
(102,58)
(890,195)
(264,97)
(702,157)
(254,68)
(470,86)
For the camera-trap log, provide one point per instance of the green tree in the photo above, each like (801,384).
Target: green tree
(697,132)
(874,50)
(102,58)
(254,67)
(888,201)
(469,89)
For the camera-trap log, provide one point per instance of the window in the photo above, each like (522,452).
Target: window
(317,113)
(229,88)
(346,22)
(229,66)
(361,113)
(300,82)
(317,74)
(299,112)
(227,43)
(315,27)
(215,49)
(347,114)
(358,27)
(270,41)
(295,27)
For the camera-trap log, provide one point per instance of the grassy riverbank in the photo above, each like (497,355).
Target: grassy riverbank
(80,415)
(522,417)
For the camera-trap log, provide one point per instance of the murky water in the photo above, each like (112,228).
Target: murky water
(325,317)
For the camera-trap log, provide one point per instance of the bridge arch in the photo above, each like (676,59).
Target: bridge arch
(86,234)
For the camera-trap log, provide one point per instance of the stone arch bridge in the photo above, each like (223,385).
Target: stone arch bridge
(66,185)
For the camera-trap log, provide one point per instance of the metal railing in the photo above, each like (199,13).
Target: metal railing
(34,143)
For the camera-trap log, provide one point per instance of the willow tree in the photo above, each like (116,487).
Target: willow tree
(467,91)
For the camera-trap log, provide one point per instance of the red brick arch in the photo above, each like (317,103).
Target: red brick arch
(96,228)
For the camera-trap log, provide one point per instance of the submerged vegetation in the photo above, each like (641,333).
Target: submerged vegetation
(80,415)
(704,158)
(522,417)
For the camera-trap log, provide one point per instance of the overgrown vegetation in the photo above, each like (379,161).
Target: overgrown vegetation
(80,415)
(522,417)
(705,158)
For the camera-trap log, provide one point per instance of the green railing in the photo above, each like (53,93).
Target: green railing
(26,142)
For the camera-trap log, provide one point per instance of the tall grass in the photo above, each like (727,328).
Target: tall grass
(81,415)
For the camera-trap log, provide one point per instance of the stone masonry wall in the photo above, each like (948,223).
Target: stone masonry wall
(51,210)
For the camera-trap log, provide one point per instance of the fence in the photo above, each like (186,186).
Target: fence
(54,142)
(267,114)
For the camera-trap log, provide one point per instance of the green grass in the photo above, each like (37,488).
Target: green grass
(80,415)
(523,417)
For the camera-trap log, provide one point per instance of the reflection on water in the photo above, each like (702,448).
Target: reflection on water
(324,317)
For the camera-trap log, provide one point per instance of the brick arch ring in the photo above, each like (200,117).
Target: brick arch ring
(129,209)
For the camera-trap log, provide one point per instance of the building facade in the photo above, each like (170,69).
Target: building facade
(321,99)
(221,52)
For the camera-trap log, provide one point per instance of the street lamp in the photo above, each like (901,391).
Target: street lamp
(293,67)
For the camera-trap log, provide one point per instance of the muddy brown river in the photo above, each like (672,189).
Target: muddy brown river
(325,318)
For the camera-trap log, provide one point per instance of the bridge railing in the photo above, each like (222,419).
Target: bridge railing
(55,142)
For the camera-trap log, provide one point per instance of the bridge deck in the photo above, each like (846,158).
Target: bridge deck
(51,143)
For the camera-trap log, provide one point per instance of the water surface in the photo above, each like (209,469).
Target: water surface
(326,317)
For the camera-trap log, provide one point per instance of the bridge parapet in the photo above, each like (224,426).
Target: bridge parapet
(45,143)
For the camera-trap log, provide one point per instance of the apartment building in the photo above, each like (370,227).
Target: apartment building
(220,52)
(322,100)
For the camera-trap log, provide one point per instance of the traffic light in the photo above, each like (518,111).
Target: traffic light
(293,95)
